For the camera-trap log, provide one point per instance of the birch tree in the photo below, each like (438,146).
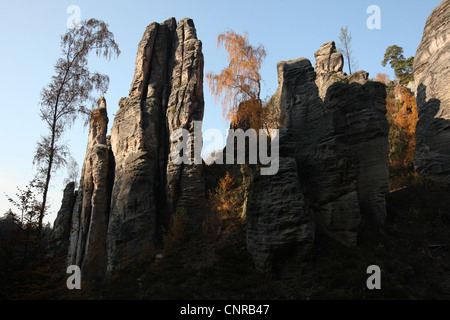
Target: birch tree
(68,94)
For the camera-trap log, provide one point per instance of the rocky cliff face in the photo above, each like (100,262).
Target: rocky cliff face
(432,80)
(166,94)
(129,186)
(138,139)
(185,108)
(335,127)
(333,160)
(62,226)
(280,225)
(89,223)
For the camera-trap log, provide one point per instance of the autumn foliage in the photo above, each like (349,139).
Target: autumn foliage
(238,86)
(226,200)
(402,117)
(383,77)
(406,117)
(177,232)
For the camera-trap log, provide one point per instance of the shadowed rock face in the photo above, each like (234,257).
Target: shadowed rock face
(166,94)
(432,79)
(138,141)
(335,128)
(62,225)
(332,166)
(280,228)
(359,115)
(185,184)
(327,174)
(129,186)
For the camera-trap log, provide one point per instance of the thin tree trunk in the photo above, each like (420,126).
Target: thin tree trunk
(47,181)
(349,68)
(52,151)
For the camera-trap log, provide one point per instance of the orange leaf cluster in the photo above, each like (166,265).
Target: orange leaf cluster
(402,116)
(407,115)
(225,201)
(241,80)
(382,77)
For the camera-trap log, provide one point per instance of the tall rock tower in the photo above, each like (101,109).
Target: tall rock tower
(166,94)
(87,247)
(432,80)
(333,127)
(129,187)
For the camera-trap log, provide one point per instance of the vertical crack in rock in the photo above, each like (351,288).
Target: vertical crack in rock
(164,97)
(87,247)
(185,184)
(280,228)
(335,128)
(332,167)
(129,186)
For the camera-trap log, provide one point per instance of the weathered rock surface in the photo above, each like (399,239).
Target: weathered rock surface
(166,94)
(336,129)
(129,186)
(332,166)
(59,243)
(185,184)
(432,80)
(280,228)
(359,115)
(325,170)
(329,64)
(90,215)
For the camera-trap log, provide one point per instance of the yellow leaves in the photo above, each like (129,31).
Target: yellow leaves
(241,55)
(382,77)
(241,80)
(227,182)
(402,116)
(248,115)
(407,115)
(226,201)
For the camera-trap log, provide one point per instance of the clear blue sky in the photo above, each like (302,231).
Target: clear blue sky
(29,39)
